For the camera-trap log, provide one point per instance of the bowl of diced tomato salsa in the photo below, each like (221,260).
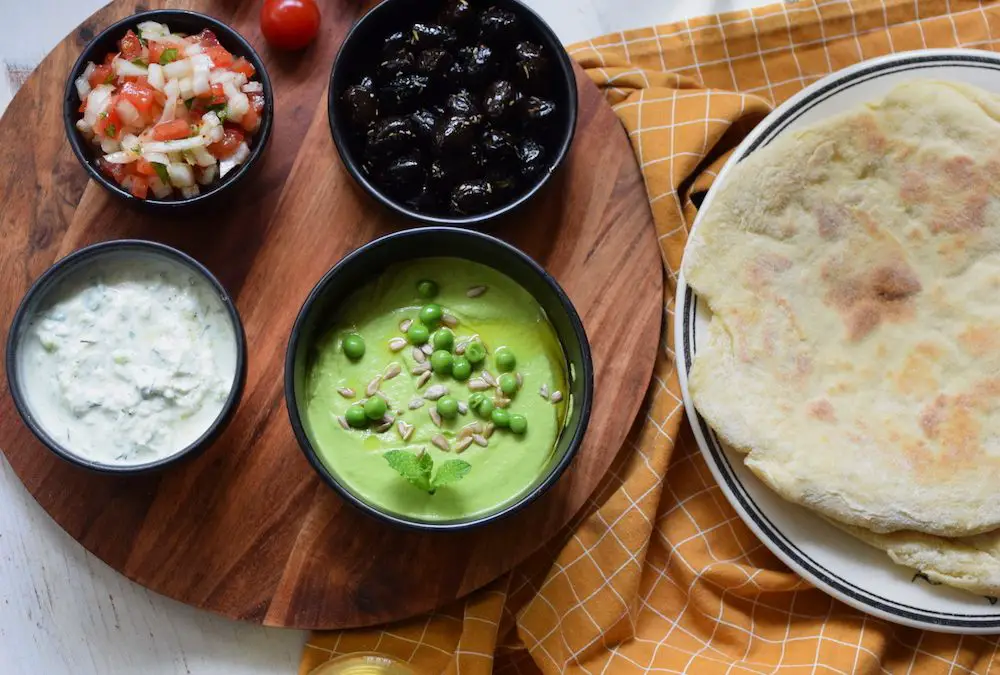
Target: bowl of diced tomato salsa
(168,108)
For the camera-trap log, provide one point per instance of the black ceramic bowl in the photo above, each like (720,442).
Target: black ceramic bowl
(180,21)
(39,293)
(359,55)
(365,265)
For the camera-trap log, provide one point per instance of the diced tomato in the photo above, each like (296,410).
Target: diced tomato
(241,65)
(83,105)
(250,121)
(220,56)
(102,75)
(116,172)
(156,50)
(218,95)
(257,102)
(130,46)
(171,131)
(144,167)
(140,95)
(108,58)
(228,145)
(139,187)
(108,124)
(206,39)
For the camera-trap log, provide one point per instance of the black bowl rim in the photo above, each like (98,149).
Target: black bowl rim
(343,149)
(82,257)
(554,473)
(80,148)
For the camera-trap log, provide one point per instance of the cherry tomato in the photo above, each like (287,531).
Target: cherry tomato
(289,24)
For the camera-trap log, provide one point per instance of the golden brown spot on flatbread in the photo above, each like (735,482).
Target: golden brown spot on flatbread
(914,188)
(831,220)
(764,268)
(951,423)
(917,375)
(979,340)
(822,410)
(867,299)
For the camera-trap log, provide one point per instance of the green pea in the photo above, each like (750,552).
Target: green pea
(486,407)
(431,314)
(356,417)
(417,333)
(475,352)
(476,400)
(354,346)
(427,289)
(443,339)
(461,369)
(375,408)
(508,384)
(504,358)
(447,407)
(518,423)
(441,362)
(500,417)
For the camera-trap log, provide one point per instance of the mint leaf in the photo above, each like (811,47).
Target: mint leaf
(451,471)
(415,469)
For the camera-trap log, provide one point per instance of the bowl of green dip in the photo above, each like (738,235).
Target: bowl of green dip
(438,379)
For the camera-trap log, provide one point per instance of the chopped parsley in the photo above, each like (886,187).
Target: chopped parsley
(110,79)
(110,130)
(167,56)
(188,102)
(140,62)
(161,171)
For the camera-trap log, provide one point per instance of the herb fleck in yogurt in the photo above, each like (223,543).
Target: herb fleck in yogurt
(132,362)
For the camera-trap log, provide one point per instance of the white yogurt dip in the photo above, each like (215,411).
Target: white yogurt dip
(130,360)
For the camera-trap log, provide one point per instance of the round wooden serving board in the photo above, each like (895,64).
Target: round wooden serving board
(248,530)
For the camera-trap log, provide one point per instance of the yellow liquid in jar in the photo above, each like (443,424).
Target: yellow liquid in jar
(364,664)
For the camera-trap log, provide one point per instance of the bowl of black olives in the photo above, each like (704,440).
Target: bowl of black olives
(452,111)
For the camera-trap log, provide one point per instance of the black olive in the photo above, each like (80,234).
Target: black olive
(471,197)
(404,92)
(403,177)
(504,186)
(394,65)
(530,67)
(457,14)
(498,26)
(424,124)
(435,61)
(462,103)
(532,158)
(455,134)
(498,147)
(390,136)
(465,165)
(475,66)
(394,43)
(536,113)
(361,104)
(498,100)
(441,178)
(427,35)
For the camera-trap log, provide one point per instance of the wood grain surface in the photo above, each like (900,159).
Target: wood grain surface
(248,530)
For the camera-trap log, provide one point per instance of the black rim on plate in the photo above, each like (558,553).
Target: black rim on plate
(586,377)
(737,494)
(343,143)
(50,279)
(88,154)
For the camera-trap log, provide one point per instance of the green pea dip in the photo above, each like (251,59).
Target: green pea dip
(503,315)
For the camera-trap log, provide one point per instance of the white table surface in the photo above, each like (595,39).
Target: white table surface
(63,611)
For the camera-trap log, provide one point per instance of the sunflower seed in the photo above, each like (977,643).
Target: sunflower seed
(405,430)
(427,349)
(502,402)
(467,430)
(475,291)
(479,440)
(436,392)
(391,371)
(420,369)
(463,444)
(373,385)
(460,347)
(556,396)
(441,442)
(488,429)
(478,384)
(405,324)
(435,416)
(422,380)
(416,403)
(543,391)
(490,380)
(463,409)
(385,425)
(346,392)
(396,344)
(418,355)
(520,380)
(449,320)
(343,422)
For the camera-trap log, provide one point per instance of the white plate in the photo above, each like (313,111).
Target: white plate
(842,566)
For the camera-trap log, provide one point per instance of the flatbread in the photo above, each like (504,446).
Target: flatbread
(853,273)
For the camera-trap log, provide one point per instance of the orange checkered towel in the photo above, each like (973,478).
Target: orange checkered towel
(660,574)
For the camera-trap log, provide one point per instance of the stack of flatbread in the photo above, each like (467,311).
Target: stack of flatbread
(853,274)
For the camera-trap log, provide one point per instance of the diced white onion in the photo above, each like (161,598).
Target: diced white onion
(153,28)
(234,160)
(165,38)
(202,157)
(83,82)
(159,188)
(193,48)
(157,157)
(199,83)
(191,191)
(220,75)
(239,79)
(127,68)
(201,62)
(121,157)
(84,128)
(179,145)
(97,102)
(181,175)
(130,141)
(175,157)
(127,112)
(110,145)
(175,70)
(187,88)
(172,90)
(157,80)
(208,174)
(211,127)
(253,87)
